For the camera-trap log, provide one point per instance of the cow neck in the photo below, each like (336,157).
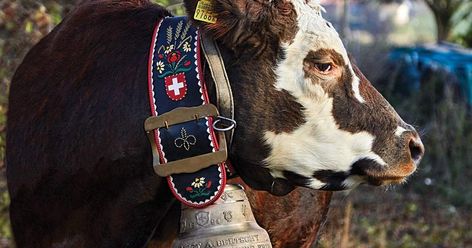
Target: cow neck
(259,97)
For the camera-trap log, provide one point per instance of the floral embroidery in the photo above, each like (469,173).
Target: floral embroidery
(199,187)
(187,47)
(160,66)
(198,182)
(185,140)
(174,56)
(175,52)
(168,49)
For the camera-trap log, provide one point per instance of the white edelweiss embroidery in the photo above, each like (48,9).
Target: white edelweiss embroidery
(186,47)
(169,49)
(160,66)
(199,182)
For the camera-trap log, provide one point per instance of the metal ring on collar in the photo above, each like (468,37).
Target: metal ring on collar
(228,124)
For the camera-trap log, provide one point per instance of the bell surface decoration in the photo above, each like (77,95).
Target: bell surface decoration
(228,222)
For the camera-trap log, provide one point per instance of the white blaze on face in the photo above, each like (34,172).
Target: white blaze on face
(355,87)
(314,33)
(318,144)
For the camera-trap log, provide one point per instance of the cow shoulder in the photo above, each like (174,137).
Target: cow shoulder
(78,159)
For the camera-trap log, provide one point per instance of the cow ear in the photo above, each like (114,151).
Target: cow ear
(248,23)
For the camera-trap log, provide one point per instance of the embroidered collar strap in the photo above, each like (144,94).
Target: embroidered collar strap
(184,144)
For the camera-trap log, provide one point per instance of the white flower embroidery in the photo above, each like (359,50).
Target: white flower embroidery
(187,47)
(199,182)
(160,66)
(169,49)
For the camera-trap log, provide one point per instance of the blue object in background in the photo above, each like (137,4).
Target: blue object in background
(417,61)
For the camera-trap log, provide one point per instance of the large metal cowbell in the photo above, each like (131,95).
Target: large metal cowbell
(228,222)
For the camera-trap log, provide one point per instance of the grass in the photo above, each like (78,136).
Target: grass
(5,232)
(445,121)
(395,218)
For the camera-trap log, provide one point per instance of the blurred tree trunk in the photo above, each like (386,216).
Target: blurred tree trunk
(345,20)
(443,11)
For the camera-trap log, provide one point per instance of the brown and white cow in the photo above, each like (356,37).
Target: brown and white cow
(79,164)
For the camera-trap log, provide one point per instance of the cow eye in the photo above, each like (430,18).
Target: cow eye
(324,67)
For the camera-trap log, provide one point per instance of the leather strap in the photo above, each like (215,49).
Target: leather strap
(225,102)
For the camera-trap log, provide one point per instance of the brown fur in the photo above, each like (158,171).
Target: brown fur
(79,164)
(250,27)
(75,149)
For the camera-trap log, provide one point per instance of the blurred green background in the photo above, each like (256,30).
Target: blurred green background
(433,208)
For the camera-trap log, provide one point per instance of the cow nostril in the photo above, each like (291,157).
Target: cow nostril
(416,149)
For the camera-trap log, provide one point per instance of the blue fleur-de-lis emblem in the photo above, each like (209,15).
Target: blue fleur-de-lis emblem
(185,140)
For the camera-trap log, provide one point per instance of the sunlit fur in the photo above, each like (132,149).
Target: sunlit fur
(400,130)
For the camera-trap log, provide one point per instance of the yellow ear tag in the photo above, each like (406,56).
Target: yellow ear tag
(203,12)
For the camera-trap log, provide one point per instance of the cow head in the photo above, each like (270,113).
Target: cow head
(307,116)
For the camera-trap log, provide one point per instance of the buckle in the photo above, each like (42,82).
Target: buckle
(186,165)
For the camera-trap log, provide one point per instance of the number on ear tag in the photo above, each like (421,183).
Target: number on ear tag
(203,12)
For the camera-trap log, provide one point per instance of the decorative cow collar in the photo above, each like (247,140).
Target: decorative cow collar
(184,143)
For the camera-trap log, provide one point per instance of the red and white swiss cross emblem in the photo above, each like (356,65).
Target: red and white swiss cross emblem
(176,86)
